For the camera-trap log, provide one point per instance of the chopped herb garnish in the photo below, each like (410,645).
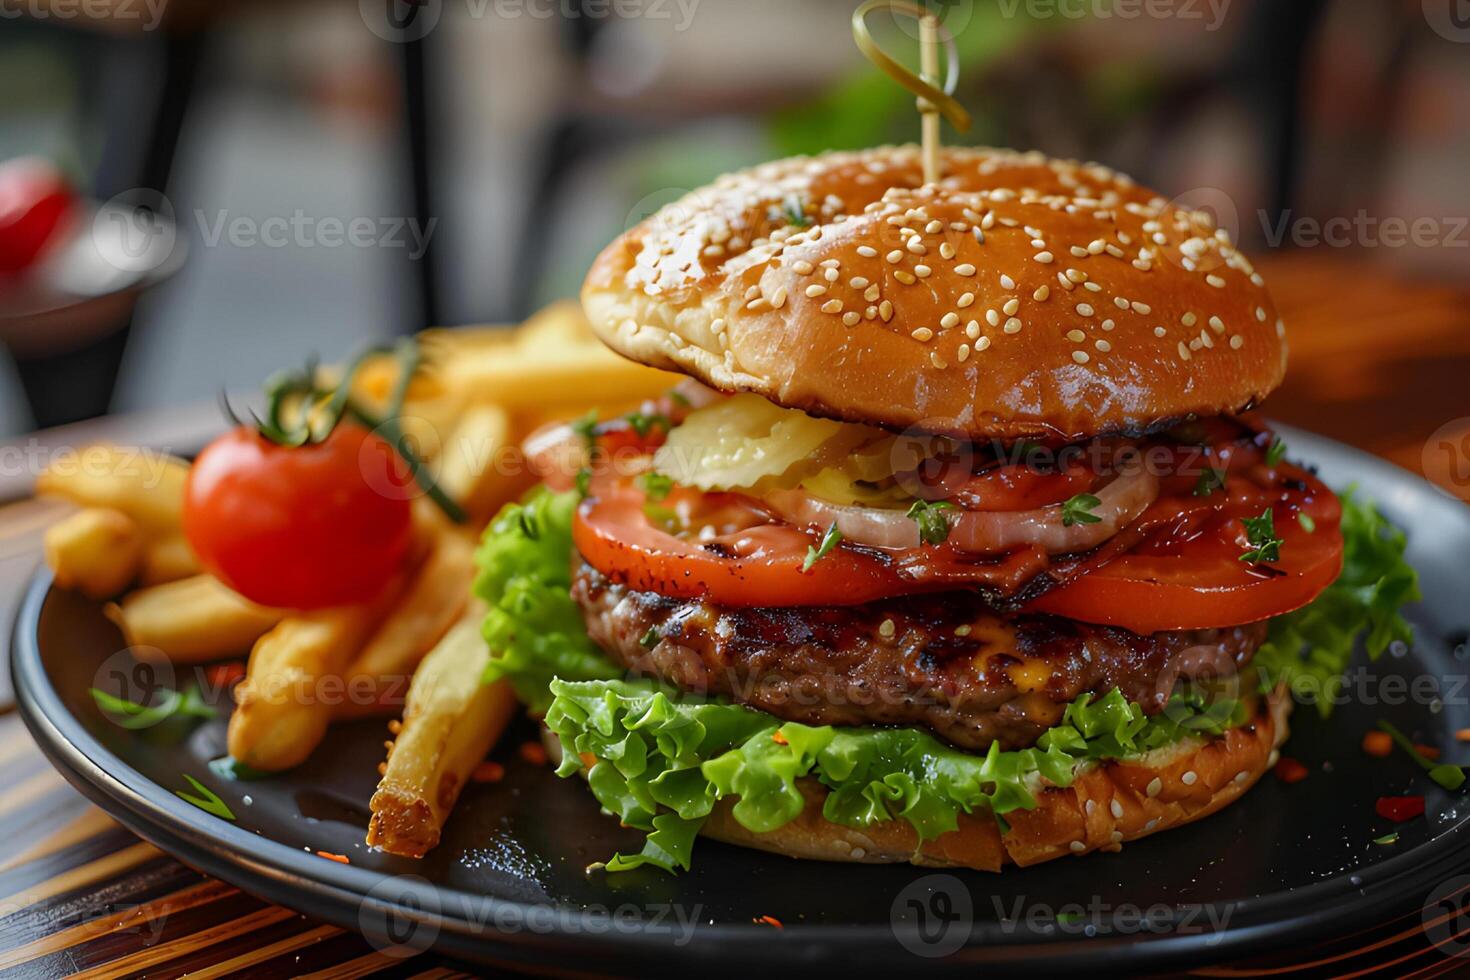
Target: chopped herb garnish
(830,540)
(655,486)
(677,397)
(134,716)
(1209,481)
(529,525)
(1275,451)
(1448,776)
(1389,838)
(650,639)
(664,517)
(227,767)
(1078,510)
(933,525)
(584,481)
(586,427)
(792,211)
(645,422)
(1305,520)
(1261,533)
(207,800)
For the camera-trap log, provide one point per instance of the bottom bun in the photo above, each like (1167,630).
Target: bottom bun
(1107,804)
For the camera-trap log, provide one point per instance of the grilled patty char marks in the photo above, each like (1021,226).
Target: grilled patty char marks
(944,661)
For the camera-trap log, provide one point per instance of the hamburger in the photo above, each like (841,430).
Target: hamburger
(960,545)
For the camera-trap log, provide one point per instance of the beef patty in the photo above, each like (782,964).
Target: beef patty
(949,662)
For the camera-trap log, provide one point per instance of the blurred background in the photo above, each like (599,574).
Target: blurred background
(308,177)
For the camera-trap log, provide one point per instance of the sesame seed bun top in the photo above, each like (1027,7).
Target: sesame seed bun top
(1020,297)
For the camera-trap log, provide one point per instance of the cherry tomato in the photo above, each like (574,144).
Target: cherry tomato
(35,201)
(305,527)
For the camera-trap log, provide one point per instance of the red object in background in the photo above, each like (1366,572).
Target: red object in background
(300,527)
(1288,770)
(1400,808)
(35,202)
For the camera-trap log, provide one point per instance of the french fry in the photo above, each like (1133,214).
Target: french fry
(97,552)
(147,486)
(559,324)
(526,378)
(292,679)
(481,466)
(193,620)
(450,722)
(168,559)
(428,609)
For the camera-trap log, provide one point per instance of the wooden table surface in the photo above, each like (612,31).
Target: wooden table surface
(1378,362)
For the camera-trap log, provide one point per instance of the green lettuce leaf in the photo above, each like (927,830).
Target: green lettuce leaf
(662,760)
(1311,648)
(534,629)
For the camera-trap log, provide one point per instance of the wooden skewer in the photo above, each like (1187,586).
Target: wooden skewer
(929,112)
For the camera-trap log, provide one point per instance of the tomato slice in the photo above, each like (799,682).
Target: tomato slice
(1189,574)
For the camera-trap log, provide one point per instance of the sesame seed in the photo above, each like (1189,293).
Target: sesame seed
(1096,246)
(937,361)
(1151,824)
(946,250)
(962,630)
(802,267)
(950,319)
(1077,847)
(1076,275)
(965,300)
(815,289)
(1190,778)
(871,293)
(778,298)
(1197,343)
(1113,250)
(831,274)
(992,317)
(1242,776)
(870,312)
(964,353)
(1183,351)
(905,277)
(1216,324)
(1261,314)
(1092,287)
(717,325)
(759,303)
(1215,281)
(851,319)
(1089,806)
(1011,306)
(1280,328)
(1076,336)
(1042,292)
(1141,308)
(1079,252)
(1120,302)
(885,311)
(752,292)
(1038,243)
(886,628)
(972,329)
(858,282)
(1108,324)
(895,256)
(1116,837)
(1080,356)
(867,251)
(922,271)
(1084,309)
(1237,342)
(1155,786)
(832,306)
(1159,331)
(922,334)
(1013,325)
(934,227)
(964,269)
(1044,258)
(1116,809)
(982,343)
(916,246)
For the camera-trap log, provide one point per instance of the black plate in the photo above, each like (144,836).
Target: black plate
(508,883)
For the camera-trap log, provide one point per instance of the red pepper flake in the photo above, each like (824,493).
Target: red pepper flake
(534,753)
(778,738)
(769,920)
(487,772)
(339,858)
(1427,751)
(588,759)
(225,674)
(1288,770)
(1400,808)
(1378,744)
